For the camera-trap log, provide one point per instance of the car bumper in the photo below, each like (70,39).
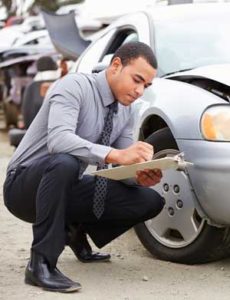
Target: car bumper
(210,177)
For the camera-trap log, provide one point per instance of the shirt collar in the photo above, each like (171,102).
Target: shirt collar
(104,89)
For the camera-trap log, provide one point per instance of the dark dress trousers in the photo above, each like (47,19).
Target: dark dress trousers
(29,196)
(44,183)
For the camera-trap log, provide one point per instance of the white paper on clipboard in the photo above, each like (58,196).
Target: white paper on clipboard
(124,172)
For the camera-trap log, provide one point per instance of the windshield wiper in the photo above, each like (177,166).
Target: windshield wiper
(174,72)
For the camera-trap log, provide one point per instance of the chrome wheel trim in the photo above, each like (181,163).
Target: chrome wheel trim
(178,224)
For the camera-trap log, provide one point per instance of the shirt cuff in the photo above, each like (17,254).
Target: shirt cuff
(98,154)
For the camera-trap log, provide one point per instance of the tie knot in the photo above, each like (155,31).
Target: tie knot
(114,106)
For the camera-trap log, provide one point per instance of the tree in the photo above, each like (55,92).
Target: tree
(48,5)
(52,5)
(8,4)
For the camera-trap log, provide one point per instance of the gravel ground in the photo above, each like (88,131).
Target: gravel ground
(132,274)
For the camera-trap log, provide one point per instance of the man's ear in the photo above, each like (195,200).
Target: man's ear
(116,64)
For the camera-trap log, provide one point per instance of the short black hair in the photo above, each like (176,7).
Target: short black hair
(133,50)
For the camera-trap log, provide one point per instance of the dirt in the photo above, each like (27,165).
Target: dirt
(132,274)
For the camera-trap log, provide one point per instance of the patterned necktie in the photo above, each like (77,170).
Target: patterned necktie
(101,183)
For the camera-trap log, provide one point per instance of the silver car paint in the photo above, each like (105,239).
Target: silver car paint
(210,176)
(206,175)
(181,111)
(181,106)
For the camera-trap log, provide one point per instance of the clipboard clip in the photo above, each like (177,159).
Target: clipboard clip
(182,164)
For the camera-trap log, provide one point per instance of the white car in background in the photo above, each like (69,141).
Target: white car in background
(33,38)
(11,35)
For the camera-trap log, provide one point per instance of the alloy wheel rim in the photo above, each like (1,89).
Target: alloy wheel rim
(179,223)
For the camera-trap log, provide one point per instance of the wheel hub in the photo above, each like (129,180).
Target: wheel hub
(178,224)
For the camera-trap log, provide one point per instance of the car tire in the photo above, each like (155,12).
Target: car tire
(210,244)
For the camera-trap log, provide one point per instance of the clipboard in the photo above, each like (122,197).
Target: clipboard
(123,172)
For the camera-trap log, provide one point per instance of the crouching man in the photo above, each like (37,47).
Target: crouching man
(85,119)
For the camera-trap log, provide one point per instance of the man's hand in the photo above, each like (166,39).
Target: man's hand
(137,153)
(148,177)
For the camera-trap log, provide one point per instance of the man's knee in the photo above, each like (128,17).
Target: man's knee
(153,203)
(65,165)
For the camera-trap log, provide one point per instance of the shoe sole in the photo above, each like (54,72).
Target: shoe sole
(95,261)
(67,290)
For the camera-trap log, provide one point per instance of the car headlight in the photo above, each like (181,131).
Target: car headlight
(215,123)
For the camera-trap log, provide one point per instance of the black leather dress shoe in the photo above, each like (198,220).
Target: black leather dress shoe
(87,256)
(38,273)
(81,248)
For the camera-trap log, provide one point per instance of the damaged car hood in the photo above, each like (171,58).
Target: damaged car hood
(219,73)
(65,35)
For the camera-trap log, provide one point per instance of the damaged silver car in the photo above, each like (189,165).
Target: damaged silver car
(185,110)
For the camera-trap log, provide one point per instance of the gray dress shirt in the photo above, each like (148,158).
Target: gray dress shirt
(71,120)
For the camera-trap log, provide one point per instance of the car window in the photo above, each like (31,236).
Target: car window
(130,37)
(98,53)
(93,53)
(192,42)
(121,37)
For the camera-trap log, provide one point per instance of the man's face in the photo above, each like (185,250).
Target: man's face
(129,82)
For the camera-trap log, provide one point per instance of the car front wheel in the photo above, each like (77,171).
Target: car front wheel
(179,233)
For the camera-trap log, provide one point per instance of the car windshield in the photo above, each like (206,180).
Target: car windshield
(193,42)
